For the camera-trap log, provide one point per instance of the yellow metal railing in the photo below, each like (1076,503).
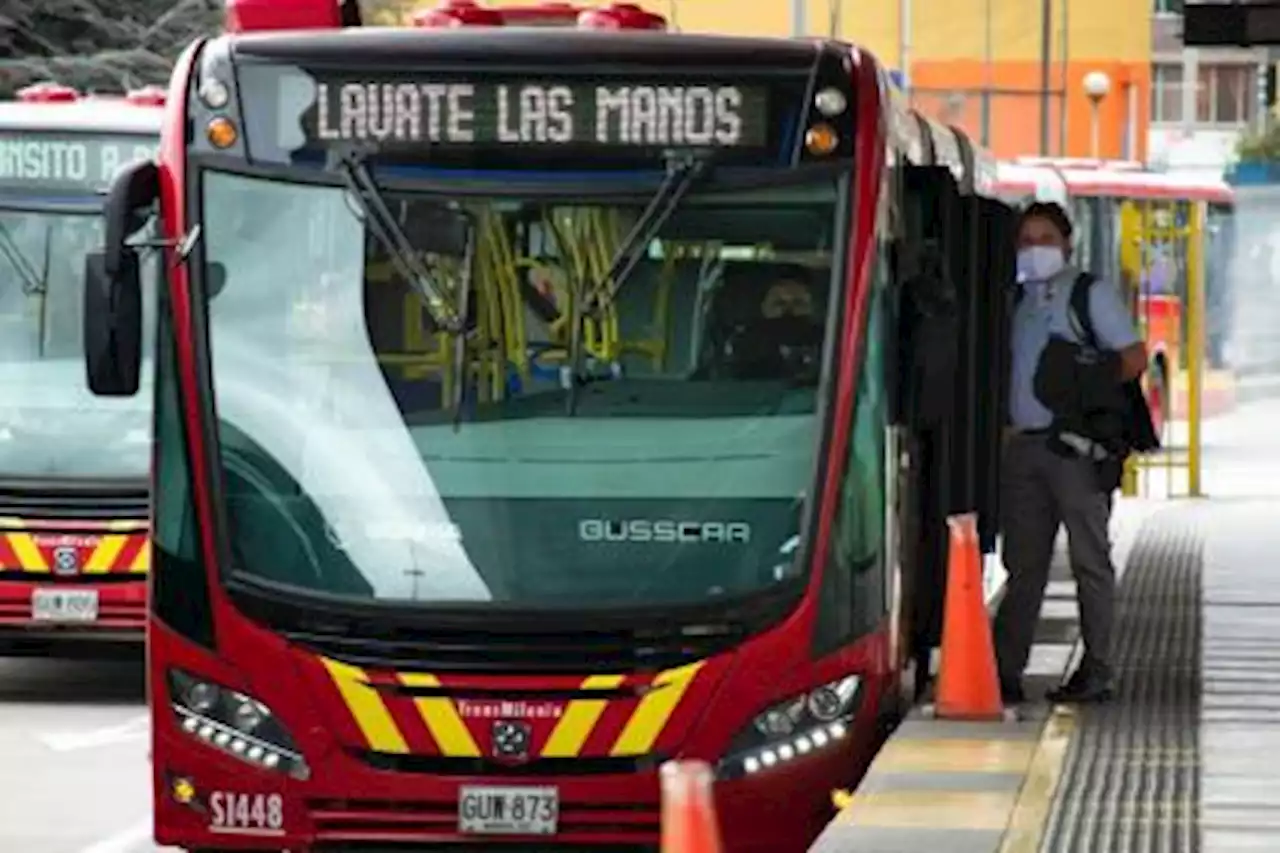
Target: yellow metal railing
(1173,326)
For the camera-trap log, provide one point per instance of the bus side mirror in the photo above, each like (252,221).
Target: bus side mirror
(112,325)
(113,286)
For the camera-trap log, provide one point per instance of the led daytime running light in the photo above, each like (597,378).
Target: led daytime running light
(767,757)
(241,745)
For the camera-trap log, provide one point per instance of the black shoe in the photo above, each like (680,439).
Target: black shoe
(1082,688)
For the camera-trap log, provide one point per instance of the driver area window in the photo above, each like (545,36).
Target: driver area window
(690,308)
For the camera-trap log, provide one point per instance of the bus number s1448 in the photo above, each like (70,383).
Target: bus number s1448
(249,814)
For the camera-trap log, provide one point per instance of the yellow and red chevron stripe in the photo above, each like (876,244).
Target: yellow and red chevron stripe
(617,716)
(101,548)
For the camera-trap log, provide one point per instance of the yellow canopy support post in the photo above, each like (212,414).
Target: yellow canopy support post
(1168,234)
(1195,342)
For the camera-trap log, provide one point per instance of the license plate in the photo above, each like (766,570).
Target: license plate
(526,810)
(64,605)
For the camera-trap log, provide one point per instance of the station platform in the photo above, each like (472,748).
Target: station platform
(1185,758)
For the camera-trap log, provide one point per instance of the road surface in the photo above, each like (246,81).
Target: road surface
(73,757)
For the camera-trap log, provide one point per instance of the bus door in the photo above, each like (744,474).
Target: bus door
(926,357)
(989,325)
(955,265)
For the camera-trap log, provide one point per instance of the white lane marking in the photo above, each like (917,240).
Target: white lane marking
(135,729)
(124,841)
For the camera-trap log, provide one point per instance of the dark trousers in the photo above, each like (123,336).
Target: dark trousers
(1040,491)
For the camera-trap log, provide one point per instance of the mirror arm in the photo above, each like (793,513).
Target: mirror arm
(136,186)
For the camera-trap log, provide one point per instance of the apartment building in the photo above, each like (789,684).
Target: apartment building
(1202,99)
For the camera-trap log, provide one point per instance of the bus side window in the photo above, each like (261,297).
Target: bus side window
(853,588)
(180,594)
(859,529)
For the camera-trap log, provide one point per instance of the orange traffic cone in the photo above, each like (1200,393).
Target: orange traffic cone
(968,686)
(688,808)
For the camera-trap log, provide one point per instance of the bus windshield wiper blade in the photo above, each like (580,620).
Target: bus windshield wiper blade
(461,349)
(382,224)
(32,283)
(684,169)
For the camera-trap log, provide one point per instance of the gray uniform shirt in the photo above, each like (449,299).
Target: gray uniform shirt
(1044,310)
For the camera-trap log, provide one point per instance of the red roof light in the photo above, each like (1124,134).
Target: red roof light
(621,16)
(47,93)
(147,96)
(552,14)
(458,13)
(245,16)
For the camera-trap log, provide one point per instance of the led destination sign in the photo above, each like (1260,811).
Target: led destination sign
(417,114)
(67,162)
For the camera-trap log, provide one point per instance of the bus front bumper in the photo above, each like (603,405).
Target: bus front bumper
(206,799)
(44,614)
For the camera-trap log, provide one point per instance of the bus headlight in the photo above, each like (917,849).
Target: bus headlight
(797,727)
(233,723)
(831,102)
(214,93)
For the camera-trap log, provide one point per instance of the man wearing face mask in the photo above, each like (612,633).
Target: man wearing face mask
(1045,484)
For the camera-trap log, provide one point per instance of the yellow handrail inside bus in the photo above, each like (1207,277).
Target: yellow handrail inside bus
(584,241)
(506,269)
(586,244)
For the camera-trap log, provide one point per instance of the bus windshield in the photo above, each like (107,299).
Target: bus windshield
(676,471)
(51,425)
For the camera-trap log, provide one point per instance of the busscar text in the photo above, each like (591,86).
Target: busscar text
(663,531)
(530,114)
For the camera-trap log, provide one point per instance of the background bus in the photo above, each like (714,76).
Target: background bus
(73,466)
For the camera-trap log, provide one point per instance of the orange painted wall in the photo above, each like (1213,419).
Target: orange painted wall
(1016,105)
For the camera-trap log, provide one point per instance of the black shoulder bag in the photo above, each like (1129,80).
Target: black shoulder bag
(1139,430)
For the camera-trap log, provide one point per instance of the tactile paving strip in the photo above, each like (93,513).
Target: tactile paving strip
(1131,781)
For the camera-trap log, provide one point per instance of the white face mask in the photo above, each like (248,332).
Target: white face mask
(1040,263)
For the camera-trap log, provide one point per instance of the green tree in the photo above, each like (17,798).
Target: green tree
(113,45)
(96,45)
(1260,147)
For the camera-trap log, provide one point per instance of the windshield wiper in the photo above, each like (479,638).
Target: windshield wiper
(684,169)
(462,352)
(32,283)
(383,225)
(446,315)
(44,286)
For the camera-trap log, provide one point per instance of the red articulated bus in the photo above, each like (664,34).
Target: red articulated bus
(533,410)
(73,466)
